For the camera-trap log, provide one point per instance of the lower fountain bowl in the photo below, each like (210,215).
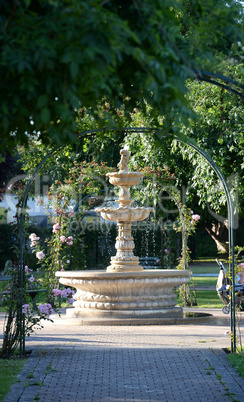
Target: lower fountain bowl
(125,298)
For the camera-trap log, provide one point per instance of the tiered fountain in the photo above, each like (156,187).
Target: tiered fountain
(125,293)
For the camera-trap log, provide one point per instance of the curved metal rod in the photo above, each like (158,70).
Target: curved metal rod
(184,140)
(220,175)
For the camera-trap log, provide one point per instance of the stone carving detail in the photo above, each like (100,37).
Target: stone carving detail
(123,164)
(124,290)
(144,292)
(124,215)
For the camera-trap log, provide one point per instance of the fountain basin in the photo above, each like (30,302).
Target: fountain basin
(132,297)
(125,214)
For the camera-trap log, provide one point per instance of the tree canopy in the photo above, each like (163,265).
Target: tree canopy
(57,56)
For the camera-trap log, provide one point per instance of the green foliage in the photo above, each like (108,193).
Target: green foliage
(204,245)
(9,370)
(219,131)
(236,360)
(57,56)
(7,239)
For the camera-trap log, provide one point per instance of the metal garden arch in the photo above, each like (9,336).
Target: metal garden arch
(184,140)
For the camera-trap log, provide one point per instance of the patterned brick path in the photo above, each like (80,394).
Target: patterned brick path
(144,363)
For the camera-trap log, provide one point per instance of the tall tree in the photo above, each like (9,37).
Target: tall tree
(59,55)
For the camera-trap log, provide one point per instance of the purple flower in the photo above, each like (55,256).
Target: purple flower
(45,309)
(67,292)
(25,308)
(31,279)
(62,238)
(70,301)
(57,292)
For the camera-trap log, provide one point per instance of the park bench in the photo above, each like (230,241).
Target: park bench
(32,292)
(150,262)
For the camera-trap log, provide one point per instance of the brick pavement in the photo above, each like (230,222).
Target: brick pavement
(145,363)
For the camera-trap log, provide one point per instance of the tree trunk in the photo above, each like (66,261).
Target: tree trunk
(219,233)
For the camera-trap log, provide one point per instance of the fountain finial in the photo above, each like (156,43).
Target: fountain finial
(125,156)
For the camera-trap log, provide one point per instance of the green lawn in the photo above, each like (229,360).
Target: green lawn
(204,280)
(9,370)
(206,299)
(205,269)
(237,360)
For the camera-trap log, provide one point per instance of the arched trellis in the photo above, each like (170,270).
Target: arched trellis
(184,140)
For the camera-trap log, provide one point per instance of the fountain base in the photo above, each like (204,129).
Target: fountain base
(132,298)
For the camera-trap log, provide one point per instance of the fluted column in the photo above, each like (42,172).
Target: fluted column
(124,259)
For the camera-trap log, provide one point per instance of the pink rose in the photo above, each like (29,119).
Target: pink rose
(33,237)
(56,228)
(196,217)
(62,238)
(40,255)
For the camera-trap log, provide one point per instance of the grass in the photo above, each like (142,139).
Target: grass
(237,360)
(206,299)
(204,281)
(205,269)
(9,370)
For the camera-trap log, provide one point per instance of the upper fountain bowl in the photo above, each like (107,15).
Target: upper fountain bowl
(125,214)
(125,179)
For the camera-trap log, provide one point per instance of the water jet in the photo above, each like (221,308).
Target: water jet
(125,293)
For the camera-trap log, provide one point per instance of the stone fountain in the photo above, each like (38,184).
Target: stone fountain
(125,293)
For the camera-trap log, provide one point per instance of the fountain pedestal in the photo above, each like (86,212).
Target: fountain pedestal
(125,293)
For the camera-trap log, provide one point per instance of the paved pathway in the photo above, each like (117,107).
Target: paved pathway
(127,363)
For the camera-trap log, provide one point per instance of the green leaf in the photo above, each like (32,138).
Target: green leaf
(42,101)
(74,68)
(45,115)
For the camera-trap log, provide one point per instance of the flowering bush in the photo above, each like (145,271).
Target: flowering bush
(195,217)
(32,283)
(66,294)
(33,317)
